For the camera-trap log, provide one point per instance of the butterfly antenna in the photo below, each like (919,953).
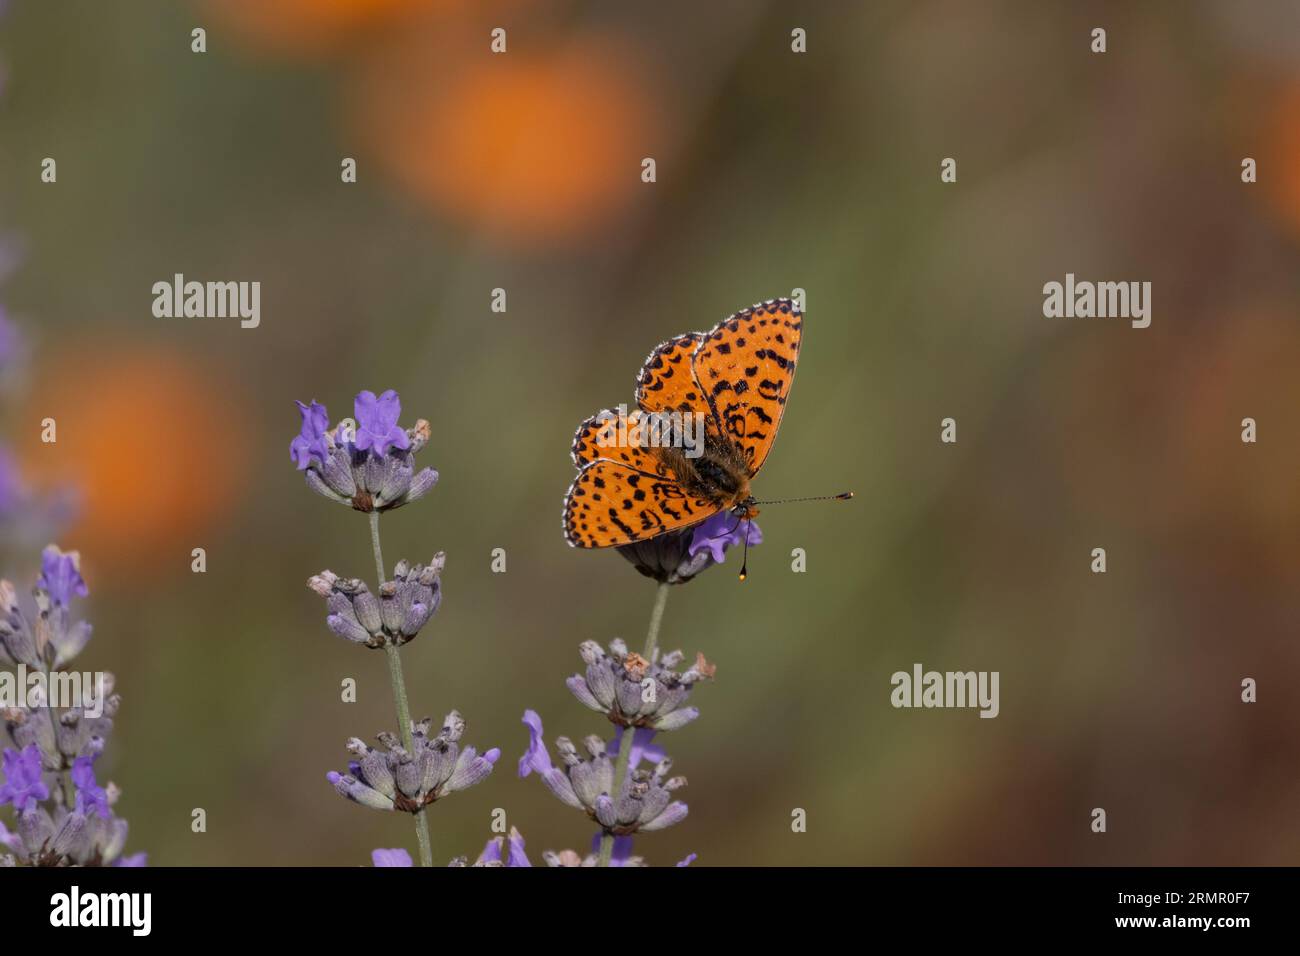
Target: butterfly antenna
(842,496)
(730,531)
(744,564)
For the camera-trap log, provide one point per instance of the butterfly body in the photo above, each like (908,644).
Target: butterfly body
(733,381)
(718,475)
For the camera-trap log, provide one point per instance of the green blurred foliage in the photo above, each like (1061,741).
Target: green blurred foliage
(818,171)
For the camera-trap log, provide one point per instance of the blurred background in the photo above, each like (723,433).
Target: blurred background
(775,171)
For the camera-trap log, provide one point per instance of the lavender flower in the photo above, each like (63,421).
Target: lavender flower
(397,857)
(78,732)
(491,855)
(377,422)
(643,801)
(72,824)
(310,444)
(90,795)
(72,839)
(678,556)
(404,605)
(621,855)
(614,685)
(372,470)
(44,635)
(61,576)
(395,779)
(23,785)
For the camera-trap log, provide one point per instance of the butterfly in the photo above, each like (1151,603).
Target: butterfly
(732,383)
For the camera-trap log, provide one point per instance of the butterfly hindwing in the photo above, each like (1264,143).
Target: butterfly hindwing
(610,503)
(601,436)
(745,366)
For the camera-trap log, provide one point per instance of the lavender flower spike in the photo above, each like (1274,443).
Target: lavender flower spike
(403,607)
(642,803)
(393,779)
(371,468)
(614,685)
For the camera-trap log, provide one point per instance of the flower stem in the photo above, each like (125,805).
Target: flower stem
(629,733)
(399,696)
(656,618)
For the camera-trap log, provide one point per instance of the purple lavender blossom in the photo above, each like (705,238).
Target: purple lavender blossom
(613,685)
(516,855)
(8,839)
(377,426)
(642,747)
(61,576)
(409,779)
(142,859)
(621,855)
(678,556)
(491,855)
(721,532)
(310,444)
(371,470)
(535,758)
(23,786)
(90,795)
(404,604)
(395,857)
(641,802)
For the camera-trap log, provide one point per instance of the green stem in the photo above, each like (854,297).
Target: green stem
(656,618)
(399,697)
(629,733)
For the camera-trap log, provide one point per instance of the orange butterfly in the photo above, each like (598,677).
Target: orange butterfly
(734,381)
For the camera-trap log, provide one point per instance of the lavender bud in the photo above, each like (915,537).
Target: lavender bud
(392,778)
(613,685)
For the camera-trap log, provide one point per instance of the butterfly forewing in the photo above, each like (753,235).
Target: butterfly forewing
(745,366)
(667,380)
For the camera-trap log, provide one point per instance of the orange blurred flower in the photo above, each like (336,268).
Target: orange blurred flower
(308,27)
(529,146)
(1280,167)
(144,435)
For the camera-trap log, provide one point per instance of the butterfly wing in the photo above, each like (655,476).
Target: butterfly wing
(611,503)
(745,366)
(667,381)
(600,436)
